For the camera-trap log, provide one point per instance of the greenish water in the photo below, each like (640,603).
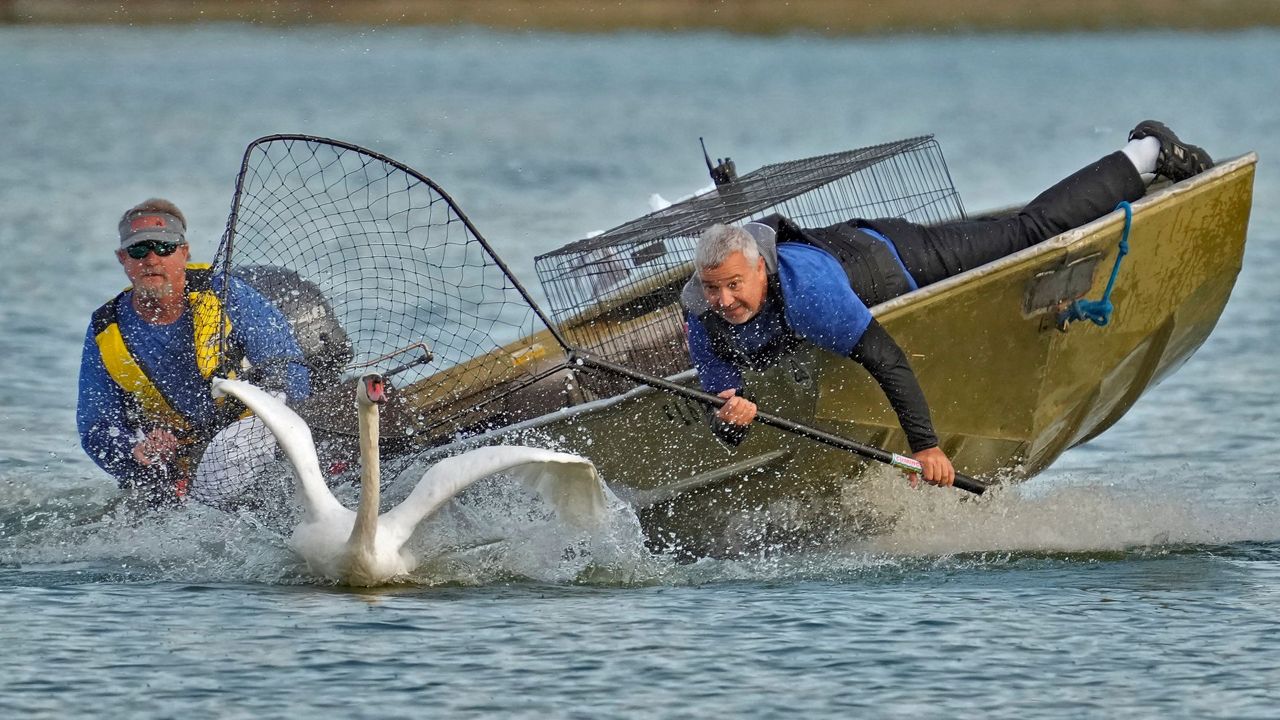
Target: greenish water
(1138,577)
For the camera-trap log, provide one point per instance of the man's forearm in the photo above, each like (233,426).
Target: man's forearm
(887,363)
(113,452)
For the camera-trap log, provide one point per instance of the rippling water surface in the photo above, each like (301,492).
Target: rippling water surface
(1140,576)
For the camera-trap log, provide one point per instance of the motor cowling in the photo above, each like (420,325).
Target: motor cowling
(326,348)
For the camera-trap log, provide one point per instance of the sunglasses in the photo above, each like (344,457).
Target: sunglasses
(163,249)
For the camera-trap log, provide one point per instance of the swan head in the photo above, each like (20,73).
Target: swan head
(371,390)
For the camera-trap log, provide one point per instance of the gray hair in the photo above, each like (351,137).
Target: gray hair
(155,205)
(720,241)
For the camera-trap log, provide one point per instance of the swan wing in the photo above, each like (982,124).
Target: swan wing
(293,435)
(568,482)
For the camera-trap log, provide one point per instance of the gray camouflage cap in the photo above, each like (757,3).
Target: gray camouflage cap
(146,226)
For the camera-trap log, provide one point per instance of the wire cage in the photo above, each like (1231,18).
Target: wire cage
(616,294)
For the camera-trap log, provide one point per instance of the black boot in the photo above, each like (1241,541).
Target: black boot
(1177,160)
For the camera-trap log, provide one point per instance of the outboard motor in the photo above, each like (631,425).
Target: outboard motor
(326,349)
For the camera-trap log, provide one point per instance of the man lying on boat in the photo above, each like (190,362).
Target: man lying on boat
(761,289)
(145,413)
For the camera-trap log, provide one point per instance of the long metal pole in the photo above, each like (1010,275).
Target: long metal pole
(964,482)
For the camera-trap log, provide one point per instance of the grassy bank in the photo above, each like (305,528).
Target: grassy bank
(833,17)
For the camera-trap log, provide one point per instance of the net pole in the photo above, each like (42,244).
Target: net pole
(902,462)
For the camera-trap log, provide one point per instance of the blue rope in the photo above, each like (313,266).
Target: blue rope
(1099,311)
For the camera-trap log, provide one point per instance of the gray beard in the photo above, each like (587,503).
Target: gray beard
(154,295)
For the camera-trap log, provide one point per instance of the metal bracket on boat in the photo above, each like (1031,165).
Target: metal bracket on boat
(1052,291)
(426,357)
(1099,311)
(799,373)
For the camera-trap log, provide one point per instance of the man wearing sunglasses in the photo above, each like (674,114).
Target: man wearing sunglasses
(145,413)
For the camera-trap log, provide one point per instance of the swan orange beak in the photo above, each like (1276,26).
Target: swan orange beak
(375,387)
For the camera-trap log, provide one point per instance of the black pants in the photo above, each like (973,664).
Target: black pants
(933,253)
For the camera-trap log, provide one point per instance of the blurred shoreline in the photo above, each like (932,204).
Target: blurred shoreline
(826,17)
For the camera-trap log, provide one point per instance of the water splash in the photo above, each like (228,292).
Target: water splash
(494,532)
(76,542)
(499,532)
(498,529)
(895,533)
(1070,514)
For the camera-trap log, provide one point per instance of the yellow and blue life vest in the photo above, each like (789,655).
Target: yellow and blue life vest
(210,325)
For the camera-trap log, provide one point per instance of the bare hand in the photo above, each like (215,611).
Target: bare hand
(937,468)
(736,410)
(159,446)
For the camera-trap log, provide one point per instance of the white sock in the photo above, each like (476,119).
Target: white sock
(1143,153)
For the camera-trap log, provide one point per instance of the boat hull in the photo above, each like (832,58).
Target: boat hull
(1010,387)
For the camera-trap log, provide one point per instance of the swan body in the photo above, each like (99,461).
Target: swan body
(364,548)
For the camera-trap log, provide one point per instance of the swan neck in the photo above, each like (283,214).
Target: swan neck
(366,524)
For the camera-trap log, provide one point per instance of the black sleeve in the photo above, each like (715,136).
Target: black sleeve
(880,355)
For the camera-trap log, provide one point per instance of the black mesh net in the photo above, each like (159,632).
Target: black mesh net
(375,269)
(616,294)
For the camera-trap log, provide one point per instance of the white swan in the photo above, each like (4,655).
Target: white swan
(364,549)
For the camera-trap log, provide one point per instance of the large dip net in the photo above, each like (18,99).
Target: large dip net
(375,268)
